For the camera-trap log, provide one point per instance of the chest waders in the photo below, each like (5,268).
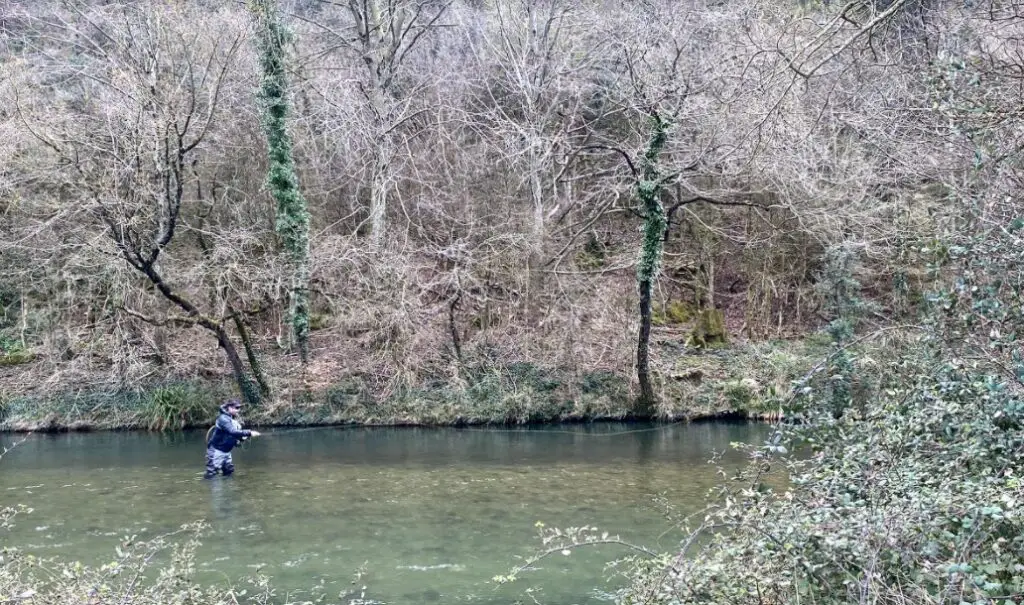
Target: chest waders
(217,460)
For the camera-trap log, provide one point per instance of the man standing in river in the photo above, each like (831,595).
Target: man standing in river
(226,434)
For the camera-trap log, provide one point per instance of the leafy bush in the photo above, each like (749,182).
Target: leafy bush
(12,352)
(740,393)
(672,312)
(176,407)
(913,497)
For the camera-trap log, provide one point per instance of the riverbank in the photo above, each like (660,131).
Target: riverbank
(741,380)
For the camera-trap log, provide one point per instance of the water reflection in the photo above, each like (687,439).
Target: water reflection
(224,503)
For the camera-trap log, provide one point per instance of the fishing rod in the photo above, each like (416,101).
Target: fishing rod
(281,430)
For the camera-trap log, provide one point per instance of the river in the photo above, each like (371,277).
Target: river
(431,515)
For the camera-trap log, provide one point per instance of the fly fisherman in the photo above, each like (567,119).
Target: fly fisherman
(223,437)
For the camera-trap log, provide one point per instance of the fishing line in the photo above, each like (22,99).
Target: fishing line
(281,430)
(580,433)
(465,429)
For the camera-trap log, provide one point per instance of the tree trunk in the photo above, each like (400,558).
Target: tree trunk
(643,352)
(648,192)
(250,354)
(292,218)
(537,193)
(379,193)
(453,328)
(249,393)
(534,258)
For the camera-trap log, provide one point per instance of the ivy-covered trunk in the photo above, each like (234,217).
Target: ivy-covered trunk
(292,220)
(648,193)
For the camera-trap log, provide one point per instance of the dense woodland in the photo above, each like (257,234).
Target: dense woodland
(478,183)
(433,191)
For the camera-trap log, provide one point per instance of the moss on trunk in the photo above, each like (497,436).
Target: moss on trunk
(648,193)
(292,220)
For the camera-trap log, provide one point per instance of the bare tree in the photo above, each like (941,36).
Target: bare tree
(378,36)
(482,149)
(146,100)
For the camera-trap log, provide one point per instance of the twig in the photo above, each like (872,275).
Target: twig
(602,542)
(7,449)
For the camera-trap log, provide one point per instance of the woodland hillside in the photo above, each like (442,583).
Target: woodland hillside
(462,194)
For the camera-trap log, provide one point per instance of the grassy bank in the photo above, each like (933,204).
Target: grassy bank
(742,380)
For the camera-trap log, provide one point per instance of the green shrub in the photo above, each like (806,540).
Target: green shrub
(347,393)
(531,376)
(319,321)
(740,394)
(176,407)
(592,255)
(13,353)
(673,312)
(602,382)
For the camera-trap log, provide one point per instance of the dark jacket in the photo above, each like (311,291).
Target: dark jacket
(227,433)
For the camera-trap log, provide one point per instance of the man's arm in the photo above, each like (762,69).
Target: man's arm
(225,424)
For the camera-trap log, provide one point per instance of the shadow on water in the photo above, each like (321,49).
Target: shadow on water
(432,513)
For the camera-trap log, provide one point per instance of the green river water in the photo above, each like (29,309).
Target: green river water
(430,514)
